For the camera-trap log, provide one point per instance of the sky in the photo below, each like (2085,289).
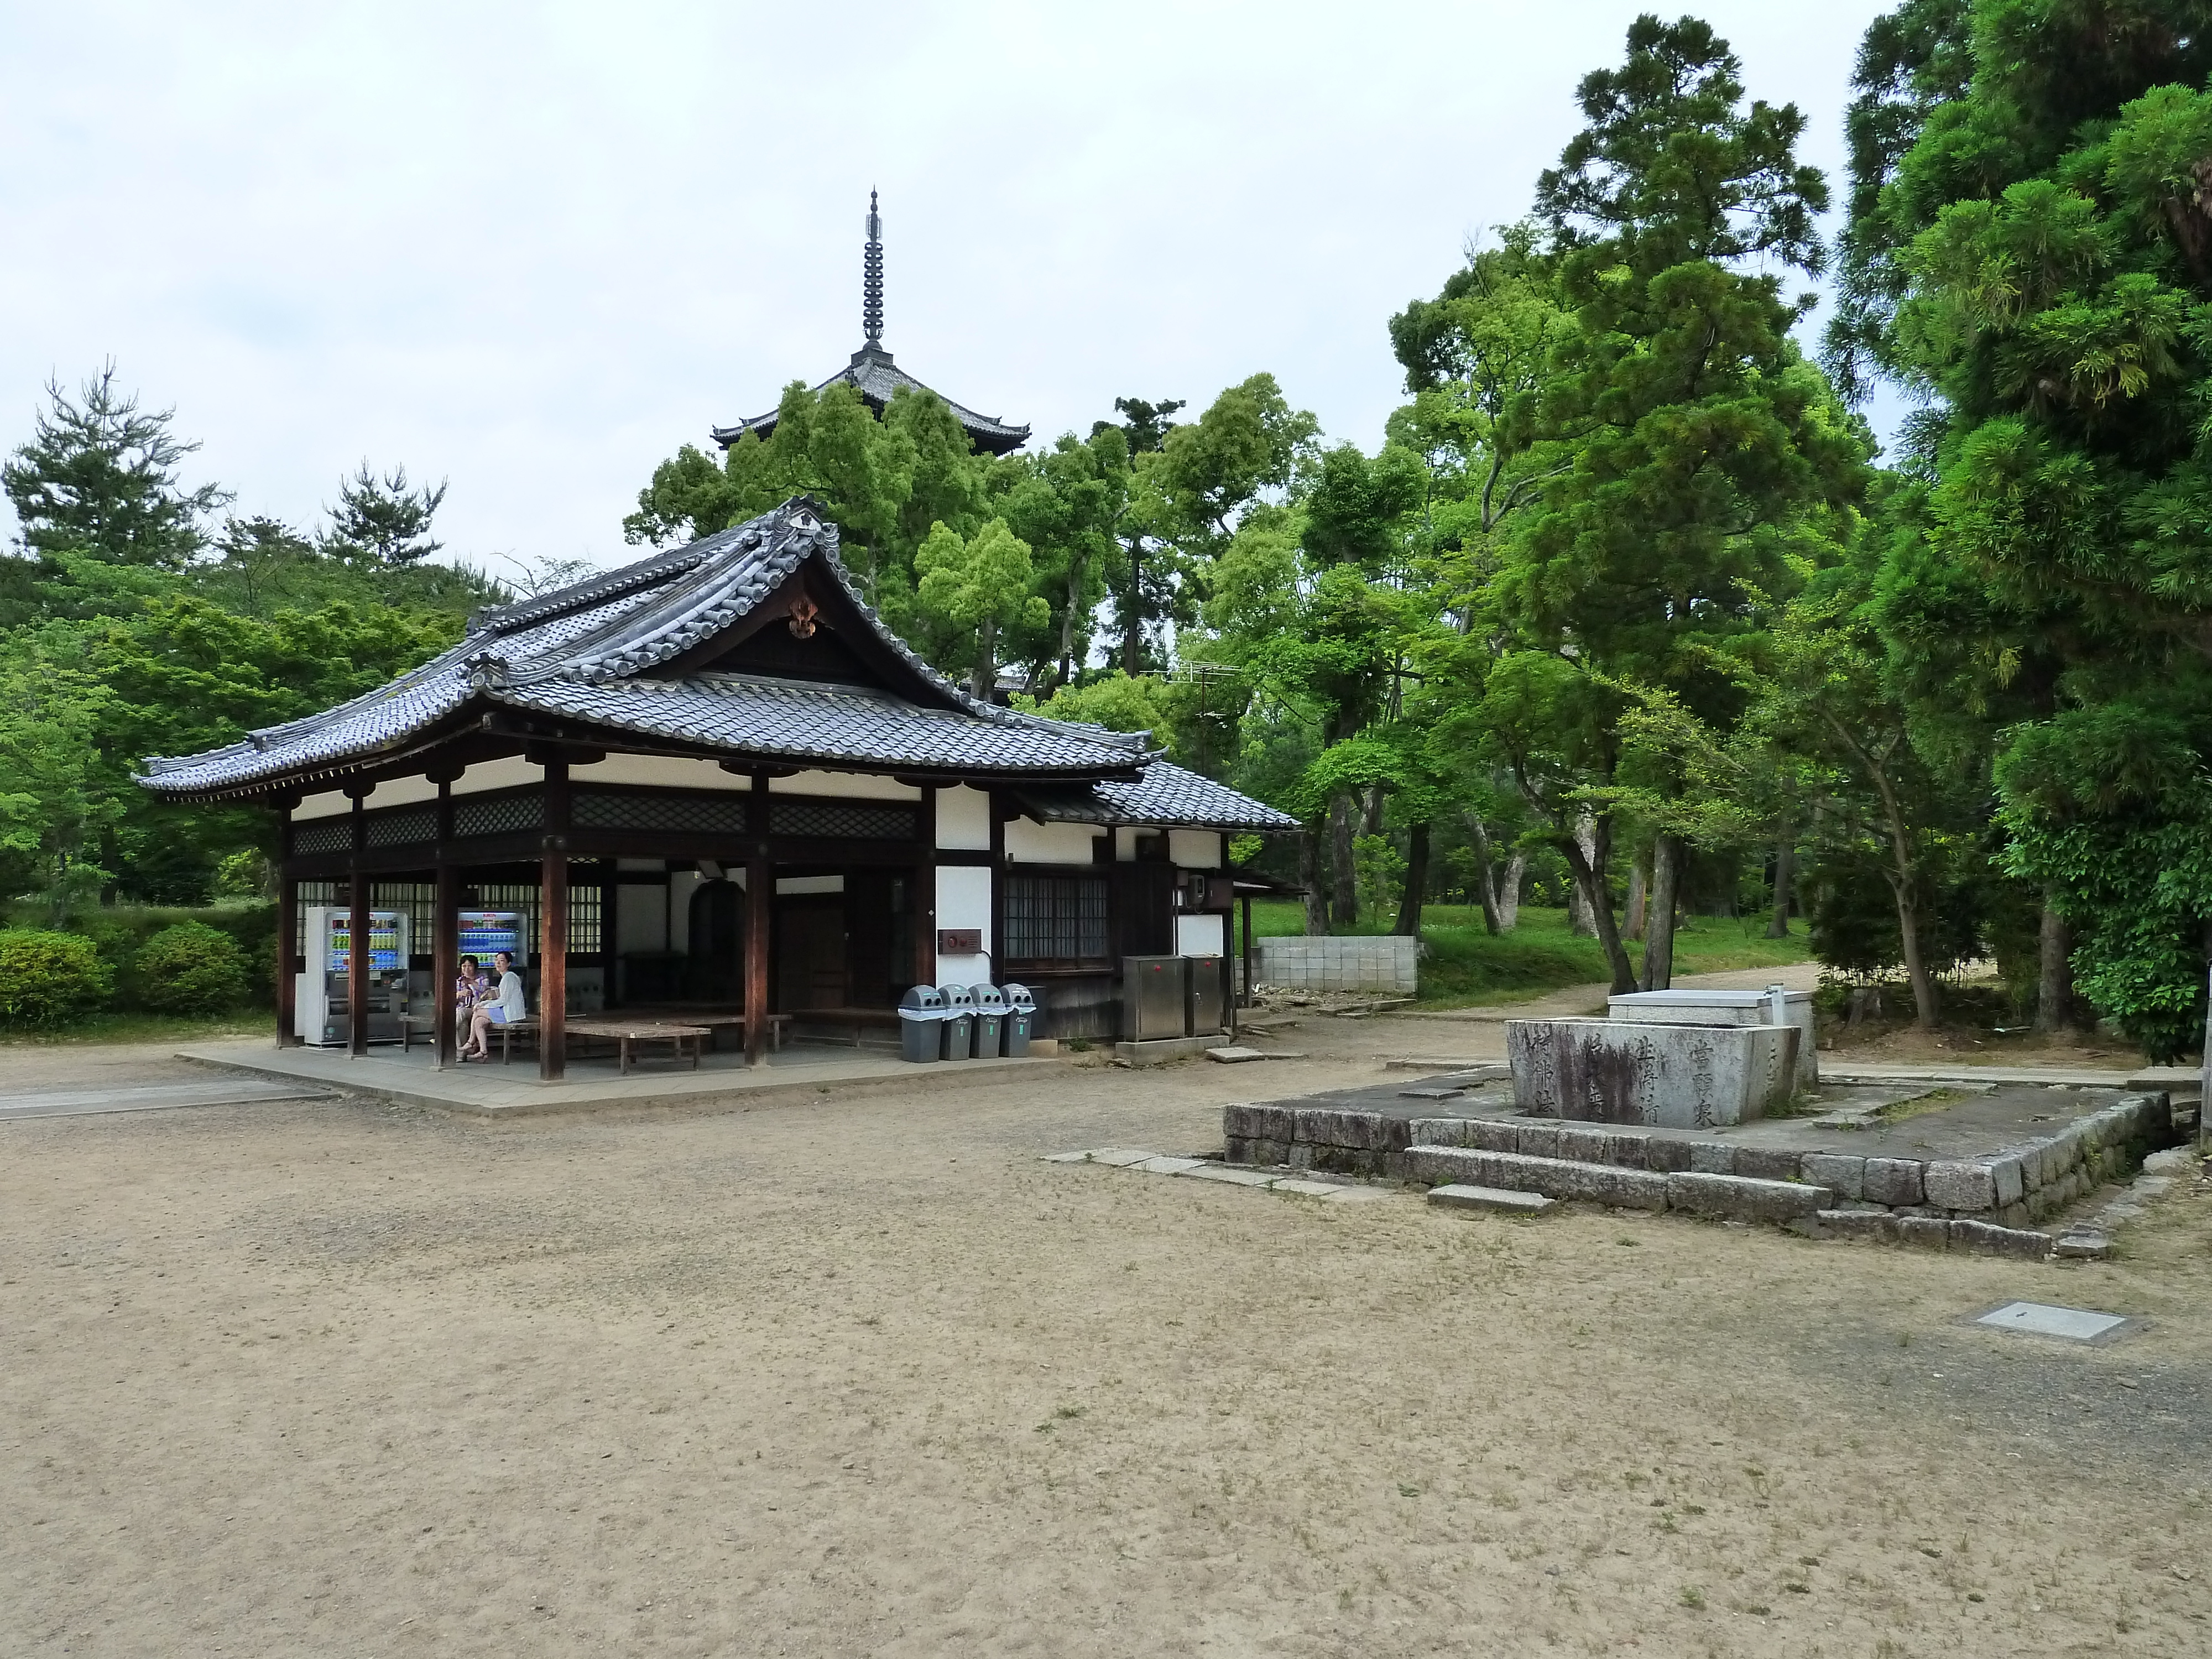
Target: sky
(532,250)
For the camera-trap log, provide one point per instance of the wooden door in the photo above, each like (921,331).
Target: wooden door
(810,952)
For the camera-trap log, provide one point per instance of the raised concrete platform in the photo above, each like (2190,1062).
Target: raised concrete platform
(498,1092)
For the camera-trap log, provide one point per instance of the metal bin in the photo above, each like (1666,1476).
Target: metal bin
(958,1020)
(922,1011)
(1209,995)
(990,1020)
(1154,1005)
(1021,1018)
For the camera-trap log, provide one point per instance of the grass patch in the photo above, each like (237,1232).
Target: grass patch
(1934,1101)
(150,1027)
(1465,966)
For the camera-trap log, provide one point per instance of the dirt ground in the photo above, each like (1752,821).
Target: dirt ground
(864,1376)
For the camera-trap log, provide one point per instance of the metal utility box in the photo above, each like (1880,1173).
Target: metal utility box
(1021,1019)
(1155,998)
(922,1011)
(990,1020)
(958,1020)
(1209,994)
(322,1001)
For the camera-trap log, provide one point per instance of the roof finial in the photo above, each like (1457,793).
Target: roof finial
(872,281)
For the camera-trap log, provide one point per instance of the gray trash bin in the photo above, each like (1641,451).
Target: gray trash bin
(1020,1021)
(990,1020)
(958,1020)
(922,1011)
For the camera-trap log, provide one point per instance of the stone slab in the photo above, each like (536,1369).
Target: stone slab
(153,1098)
(1120,1158)
(1844,1174)
(1431,1091)
(1199,1170)
(1718,1007)
(1891,1179)
(1066,1158)
(1463,1197)
(1171,1165)
(2041,1319)
(1621,1071)
(1959,1184)
(1354,1195)
(1307,1189)
(1743,1198)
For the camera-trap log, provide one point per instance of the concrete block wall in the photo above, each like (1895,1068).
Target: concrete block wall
(1386,964)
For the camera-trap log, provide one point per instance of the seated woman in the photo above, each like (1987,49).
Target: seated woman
(470,988)
(506,1007)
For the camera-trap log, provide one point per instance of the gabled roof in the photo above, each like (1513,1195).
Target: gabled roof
(632,655)
(873,374)
(1165,795)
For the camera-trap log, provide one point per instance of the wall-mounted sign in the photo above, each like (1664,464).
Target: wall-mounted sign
(960,941)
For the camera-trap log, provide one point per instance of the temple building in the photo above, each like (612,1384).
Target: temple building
(876,377)
(714,778)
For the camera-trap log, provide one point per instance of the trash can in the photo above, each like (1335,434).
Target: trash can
(990,1020)
(922,1011)
(1020,1021)
(958,1020)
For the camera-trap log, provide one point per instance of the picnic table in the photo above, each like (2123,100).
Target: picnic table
(626,1033)
(716,1021)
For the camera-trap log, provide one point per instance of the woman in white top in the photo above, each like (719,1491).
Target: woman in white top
(506,1006)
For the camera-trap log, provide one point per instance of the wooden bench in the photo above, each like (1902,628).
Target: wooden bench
(625,1033)
(716,1021)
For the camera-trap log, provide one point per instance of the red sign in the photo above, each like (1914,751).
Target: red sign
(960,941)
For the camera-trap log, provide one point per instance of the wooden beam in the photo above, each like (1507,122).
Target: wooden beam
(553,906)
(760,916)
(288,972)
(358,957)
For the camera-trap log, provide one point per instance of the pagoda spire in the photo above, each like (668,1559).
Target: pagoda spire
(872,281)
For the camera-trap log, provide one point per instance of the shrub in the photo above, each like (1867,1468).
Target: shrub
(49,979)
(191,968)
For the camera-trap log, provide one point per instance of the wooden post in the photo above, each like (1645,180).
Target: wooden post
(1247,944)
(760,915)
(359,961)
(288,971)
(924,893)
(445,957)
(553,929)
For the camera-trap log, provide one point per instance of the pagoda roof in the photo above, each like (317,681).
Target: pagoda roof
(678,653)
(878,380)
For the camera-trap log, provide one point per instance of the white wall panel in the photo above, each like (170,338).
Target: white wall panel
(1195,849)
(847,785)
(328,805)
(964,821)
(1199,936)
(659,771)
(963,900)
(1030,842)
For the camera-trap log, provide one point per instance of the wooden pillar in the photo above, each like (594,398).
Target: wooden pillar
(925,892)
(553,930)
(445,932)
(359,961)
(999,810)
(287,960)
(1247,943)
(760,917)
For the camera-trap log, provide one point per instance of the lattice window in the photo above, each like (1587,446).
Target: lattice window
(666,815)
(406,826)
(323,836)
(416,900)
(1056,918)
(858,820)
(584,917)
(502,815)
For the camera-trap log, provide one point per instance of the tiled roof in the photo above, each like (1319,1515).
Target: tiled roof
(589,653)
(878,380)
(1165,794)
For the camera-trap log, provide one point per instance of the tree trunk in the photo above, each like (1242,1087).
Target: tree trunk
(1638,891)
(1486,886)
(1581,918)
(2054,977)
(1373,826)
(984,680)
(1066,669)
(1509,892)
(1589,860)
(1343,880)
(1416,881)
(1785,873)
(1659,930)
(1310,878)
(1916,970)
(1133,624)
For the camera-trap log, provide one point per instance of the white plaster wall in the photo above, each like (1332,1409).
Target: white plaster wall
(328,805)
(1030,842)
(810,884)
(847,786)
(1195,849)
(655,771)
(401,792)
(1199,936)
(502,773)
(1125,844)
(640,918)
(963,823)
(963,900)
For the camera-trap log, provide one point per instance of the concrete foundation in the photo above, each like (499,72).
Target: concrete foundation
(1658,1076)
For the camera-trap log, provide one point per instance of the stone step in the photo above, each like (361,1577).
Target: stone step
(1742,1198)
(1459,1196)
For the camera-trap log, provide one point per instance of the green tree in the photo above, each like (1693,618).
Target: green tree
(971,587)
(382,521)
(98,476)
(1068,504)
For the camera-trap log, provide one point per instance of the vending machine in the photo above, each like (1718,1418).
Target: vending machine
(485,933)
(323,1000)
